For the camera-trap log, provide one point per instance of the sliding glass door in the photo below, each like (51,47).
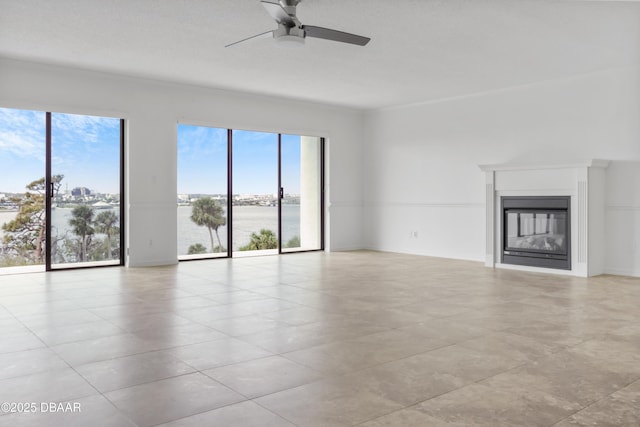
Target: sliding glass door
(85,190)
(255,193)
(264,192)
(22,190)
(67,211)
(301,195)
(202,192)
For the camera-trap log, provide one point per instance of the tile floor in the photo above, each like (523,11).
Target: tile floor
(319,339)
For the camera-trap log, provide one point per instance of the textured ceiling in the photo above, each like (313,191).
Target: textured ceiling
(421,50)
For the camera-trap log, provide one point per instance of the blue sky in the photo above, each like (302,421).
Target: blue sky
(85,149)
(22,148)
(202,161)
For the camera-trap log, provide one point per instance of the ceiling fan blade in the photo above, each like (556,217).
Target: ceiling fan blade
(261,35)
(336,36)
(277,12)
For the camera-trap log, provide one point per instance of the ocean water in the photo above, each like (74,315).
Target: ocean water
(246,220)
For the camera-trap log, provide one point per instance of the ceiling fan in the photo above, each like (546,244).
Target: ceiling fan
(290,29)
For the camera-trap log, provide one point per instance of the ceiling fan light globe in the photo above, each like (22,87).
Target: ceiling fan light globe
(290,41)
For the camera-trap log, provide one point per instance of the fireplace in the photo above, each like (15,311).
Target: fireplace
(580,184)
(536,231)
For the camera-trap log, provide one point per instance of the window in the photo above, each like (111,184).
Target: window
(243,193)
(67,212)
(202,192)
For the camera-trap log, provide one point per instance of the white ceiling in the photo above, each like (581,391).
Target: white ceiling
(421,50)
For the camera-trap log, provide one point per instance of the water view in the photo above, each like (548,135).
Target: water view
(247,220)
(85,181)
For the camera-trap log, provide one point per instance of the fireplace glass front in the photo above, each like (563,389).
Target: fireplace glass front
(536,231)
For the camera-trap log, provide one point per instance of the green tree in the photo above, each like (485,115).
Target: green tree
(266,239)
(81,221)
(293,242)
(197,248)
(208,213)
(25,235)
(106,222)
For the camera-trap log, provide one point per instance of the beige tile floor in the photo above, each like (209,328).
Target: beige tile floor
(319,339)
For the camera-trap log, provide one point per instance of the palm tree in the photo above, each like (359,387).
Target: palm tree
(265,240)
(82,217)
(107,223)
(208,213)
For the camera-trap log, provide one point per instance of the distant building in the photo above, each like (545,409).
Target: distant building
(80,191)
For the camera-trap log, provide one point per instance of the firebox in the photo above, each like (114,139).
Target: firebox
(536,231)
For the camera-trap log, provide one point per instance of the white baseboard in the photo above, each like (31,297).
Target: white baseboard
(153,263)
(622,272)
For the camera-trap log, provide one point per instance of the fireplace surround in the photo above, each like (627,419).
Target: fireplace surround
(581,183)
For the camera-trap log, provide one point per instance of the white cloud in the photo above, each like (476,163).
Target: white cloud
(71,130)
(22,133)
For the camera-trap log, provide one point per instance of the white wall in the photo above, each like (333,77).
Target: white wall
(421,161)
(153,109)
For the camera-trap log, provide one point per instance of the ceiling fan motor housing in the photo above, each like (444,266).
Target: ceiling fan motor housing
(285,34)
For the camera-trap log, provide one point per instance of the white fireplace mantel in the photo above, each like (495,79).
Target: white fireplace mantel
(582,181)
